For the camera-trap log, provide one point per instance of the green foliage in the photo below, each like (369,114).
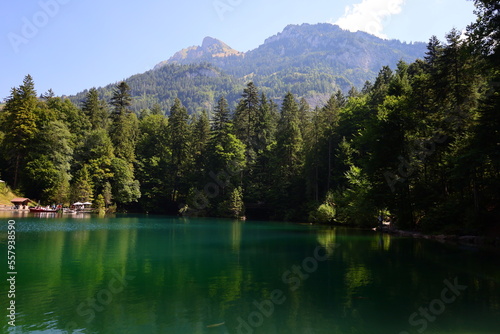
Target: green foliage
(125,188)
(325,212)
(153,154)
(355,204)
(44,179)
(201,136)
(121,99)
(19,124)
(197,86)
(289,143)
(82,188)
(245,120)
(179,135)
(221,116)
(419,143)
(124,126)
(99,203)
(233,206)
(95,109)
(288,161)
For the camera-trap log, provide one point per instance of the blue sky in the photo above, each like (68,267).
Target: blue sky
(71,45)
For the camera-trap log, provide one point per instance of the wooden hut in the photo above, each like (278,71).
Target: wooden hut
(21,203)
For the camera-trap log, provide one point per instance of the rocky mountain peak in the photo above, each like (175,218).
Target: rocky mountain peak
(210,49)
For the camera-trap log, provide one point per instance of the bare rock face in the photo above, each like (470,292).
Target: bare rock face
(210,49)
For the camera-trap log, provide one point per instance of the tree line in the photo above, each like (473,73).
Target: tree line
(421,144)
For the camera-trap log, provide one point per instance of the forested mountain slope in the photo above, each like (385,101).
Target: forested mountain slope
(311,61)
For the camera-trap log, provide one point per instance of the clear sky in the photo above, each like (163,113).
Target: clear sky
(71,45)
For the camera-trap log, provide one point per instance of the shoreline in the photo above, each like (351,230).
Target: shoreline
(4,207)
(488,243)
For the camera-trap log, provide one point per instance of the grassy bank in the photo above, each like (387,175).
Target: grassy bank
(6,194)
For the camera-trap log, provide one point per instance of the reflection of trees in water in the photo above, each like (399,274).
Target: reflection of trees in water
(188,277)
(236,229)
(60,269)
(326,239)
(381,241)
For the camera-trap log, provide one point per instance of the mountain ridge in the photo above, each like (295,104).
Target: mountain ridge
(310,60)
(295,40)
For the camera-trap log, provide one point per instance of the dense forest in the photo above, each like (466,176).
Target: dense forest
(420,143)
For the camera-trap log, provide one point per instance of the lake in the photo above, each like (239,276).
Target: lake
(158,274)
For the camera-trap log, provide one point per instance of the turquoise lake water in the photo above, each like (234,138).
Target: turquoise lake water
(157,274)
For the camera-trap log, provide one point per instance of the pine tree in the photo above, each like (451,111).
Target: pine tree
(304,115)
(258,181)
(153,156)
(265,125)
(289,159)
(289,138)
(121,99)
(233,206)
(434,51)
(200,139)
(125,125)
(82,188)
(245,120)
(20,125)
(485,32)
(156,110)
(179,134)
(379,89)
(95,110)
(222,118)
(201,133)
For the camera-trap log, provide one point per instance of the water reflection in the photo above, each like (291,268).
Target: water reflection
(12,214)
(236,230)
(326,239)
(16,214)
(381,241)
(203,276)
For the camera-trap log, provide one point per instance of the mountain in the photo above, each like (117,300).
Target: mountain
(211,50)
(355,56)
(311,61)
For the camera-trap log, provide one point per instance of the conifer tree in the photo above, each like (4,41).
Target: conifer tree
(20,126)
(222,117)
(245,120)
(95,110)
(289,159)
(124,126)
(179,134)
(82,188)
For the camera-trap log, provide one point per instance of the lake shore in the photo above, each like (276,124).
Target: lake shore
(470,240)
